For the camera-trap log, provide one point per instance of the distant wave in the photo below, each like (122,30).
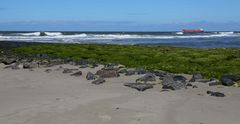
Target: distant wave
(30,34)
(80,37)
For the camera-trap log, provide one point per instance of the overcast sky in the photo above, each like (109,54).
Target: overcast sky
(119,15)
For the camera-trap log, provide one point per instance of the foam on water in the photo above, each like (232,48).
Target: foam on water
(118,38)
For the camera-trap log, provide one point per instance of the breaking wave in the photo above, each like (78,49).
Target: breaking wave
(113,38)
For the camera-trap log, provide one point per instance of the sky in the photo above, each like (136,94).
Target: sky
(119,15)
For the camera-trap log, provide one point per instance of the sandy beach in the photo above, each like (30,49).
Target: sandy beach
(37,97)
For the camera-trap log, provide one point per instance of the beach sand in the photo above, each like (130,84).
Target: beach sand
(37,97)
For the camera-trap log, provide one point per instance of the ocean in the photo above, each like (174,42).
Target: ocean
(216,39)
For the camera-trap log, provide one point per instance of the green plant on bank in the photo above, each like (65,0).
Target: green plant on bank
(210,62)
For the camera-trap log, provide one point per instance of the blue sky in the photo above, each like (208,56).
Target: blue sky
(119,15)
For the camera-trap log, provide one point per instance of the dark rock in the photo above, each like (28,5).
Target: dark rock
(189,85)
(66,70)
(140,71)
(82,62)
(169,83)
(30,65)
(9,61)
(216,94)
(194,86)
(83,66)
(147,77)
(43,34)
(130,72)
(179,78)
(203,80)
(122,70)
(14,66)
(99,81)
(139,86)
(213,83)
(229,80)
(48,70)
(90,76)
(59,68)
(196,77)
(77,74)
(160,74)
(107,73)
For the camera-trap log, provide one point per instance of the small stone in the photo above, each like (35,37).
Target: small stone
(139,86)
(66,70)
(194,86)
(146,78)
(196,77)
(48,70)
(90,76)
(77,74)
(216,94)
(107,73)
(99,81)
(130,72)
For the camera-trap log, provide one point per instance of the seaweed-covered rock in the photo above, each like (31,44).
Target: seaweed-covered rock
(99,81)
(139,86)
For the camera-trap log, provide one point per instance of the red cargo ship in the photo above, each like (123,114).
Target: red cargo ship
(193,30)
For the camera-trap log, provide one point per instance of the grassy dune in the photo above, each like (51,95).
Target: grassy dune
(210,62)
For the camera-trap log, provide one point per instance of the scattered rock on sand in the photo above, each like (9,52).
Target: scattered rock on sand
(146,78)
(139,86)
(214,82)
(130,72)
(59,68)
(99,81)
(140,71)
(169,83)
(196,77)
(216,94)
(8,61)
(77,74)
(30,65)
(67,70)
(48,70)
(107,73)
(179,78)
(90,76)
(15,66)
(229,80)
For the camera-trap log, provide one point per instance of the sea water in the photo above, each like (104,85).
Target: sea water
(179,39)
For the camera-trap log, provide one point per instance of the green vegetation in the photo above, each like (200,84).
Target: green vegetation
(210,62)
